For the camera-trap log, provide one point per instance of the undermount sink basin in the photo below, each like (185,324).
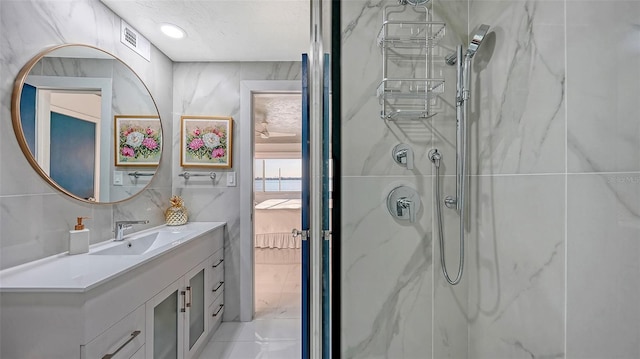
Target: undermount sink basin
(143,244)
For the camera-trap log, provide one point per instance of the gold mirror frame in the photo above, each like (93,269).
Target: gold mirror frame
(17,122)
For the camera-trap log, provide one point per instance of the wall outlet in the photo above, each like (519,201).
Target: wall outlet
(231,179)
(118,178)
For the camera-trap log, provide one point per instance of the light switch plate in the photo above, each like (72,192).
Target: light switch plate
(118,178)
(231,179)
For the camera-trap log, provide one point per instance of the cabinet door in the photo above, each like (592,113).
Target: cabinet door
(196,320)
(165,323)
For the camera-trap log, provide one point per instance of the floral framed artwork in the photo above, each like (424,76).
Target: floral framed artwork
(138,140)
(206,141)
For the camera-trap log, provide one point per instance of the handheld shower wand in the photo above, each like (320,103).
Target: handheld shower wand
(463,95)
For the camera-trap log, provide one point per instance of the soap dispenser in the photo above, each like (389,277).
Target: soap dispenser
(79,238)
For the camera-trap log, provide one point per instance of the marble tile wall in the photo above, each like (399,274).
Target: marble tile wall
(34,218)
(516,267)
(394,259)
(555,280)
(552,252)
(213,89)
(603,264)
(517,224)
(602,94)
(517,112)
(603,246)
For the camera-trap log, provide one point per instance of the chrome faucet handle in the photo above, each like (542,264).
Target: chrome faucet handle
(139,221)
(405,203)
(121,226)
(403,155)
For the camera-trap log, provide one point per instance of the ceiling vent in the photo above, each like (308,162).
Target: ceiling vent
(133,40)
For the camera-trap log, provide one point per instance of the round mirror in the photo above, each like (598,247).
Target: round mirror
(87,123)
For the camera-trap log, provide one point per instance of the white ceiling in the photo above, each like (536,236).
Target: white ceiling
(222,30)
(281,114)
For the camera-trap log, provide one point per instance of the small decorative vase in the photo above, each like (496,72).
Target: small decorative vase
(176,215)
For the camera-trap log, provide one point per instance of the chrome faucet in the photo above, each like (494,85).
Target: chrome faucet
(121,226)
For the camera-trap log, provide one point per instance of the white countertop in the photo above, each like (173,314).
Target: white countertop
(82,272)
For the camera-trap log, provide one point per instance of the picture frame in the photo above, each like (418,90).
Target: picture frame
(206,141)
(138,140)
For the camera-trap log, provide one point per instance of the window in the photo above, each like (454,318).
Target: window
(277,175)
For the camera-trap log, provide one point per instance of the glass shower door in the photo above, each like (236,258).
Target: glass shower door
(306,183)
(316,307)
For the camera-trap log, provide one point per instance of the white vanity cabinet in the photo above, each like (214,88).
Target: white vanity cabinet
(176,317)
(160,308)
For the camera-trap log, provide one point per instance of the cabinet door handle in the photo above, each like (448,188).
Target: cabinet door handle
(190,299)
(218,312)
(133,336)
(218,287)
(217,264)
(184,301)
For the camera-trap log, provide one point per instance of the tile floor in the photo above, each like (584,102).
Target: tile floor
(275,331)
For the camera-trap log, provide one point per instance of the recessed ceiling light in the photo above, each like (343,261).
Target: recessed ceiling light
(172,31)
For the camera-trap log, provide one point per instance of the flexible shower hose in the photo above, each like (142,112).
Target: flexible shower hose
(443,261)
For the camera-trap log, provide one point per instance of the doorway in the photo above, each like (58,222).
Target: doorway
(277,169)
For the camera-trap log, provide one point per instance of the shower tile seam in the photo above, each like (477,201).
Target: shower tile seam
(489,175)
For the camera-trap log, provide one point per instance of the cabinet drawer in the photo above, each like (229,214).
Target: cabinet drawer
(215,314)
(217,288)
(215,283)
(217,261)
(127,335)
(215,278)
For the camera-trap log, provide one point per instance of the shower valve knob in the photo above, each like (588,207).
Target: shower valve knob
(403,155)
(403,203)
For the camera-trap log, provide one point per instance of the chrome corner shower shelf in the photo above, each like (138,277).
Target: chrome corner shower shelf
(408,98)
(408,89)
(410,34)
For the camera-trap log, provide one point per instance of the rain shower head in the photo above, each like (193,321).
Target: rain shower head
(476,40)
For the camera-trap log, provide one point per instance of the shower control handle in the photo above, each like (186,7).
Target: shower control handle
(403,203)
(403,155)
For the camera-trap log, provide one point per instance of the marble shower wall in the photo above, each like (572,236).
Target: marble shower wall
(516,256)
(553,253)
(554,248)
(603,188)
(34,218)
(213,89)
(389,282)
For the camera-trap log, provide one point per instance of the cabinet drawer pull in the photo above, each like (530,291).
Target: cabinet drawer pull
(190,298)
(184,301)
(133,336)
(218,287)
(218,312)
(217,264)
